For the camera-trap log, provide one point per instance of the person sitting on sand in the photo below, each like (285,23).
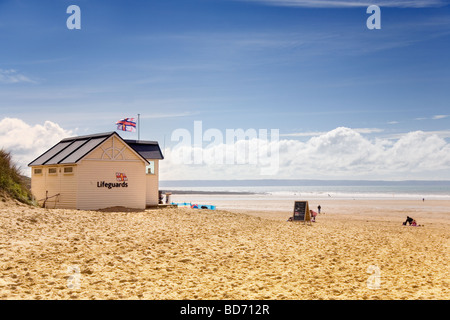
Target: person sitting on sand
(414,223)
(408,220)
(313,215)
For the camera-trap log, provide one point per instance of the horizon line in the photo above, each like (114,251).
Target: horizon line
(290,181)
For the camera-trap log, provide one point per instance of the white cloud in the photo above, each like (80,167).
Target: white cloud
(440,133)
(368,130)
(319,133)
(436,117)
(353,3)
(26,142)
(303,134)
(12,76)
(169,115)
(342,153)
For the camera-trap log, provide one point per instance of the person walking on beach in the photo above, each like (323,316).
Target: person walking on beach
(318,208)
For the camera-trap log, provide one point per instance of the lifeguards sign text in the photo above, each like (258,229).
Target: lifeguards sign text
(121,177)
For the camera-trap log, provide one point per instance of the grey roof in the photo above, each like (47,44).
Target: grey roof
(147,149)
(72,150)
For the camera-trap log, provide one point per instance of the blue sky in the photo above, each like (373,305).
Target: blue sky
(303,67)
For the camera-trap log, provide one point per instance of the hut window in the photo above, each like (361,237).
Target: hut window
(37,171)
(150,169)
(68,170)
(52,171)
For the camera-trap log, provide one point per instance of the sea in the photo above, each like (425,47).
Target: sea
(404,190)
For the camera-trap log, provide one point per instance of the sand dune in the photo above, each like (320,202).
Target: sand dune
(200,254)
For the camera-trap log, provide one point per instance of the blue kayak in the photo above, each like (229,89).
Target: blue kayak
(203,206)
(195,206)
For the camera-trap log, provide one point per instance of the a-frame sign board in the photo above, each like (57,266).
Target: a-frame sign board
(301,211)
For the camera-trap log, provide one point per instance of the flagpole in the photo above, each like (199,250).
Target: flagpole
(139,126)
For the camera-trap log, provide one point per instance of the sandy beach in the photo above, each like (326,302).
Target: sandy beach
(357,249)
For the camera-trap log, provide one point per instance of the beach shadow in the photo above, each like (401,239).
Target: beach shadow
(120,209)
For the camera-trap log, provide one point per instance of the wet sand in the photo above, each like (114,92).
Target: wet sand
(249,251)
